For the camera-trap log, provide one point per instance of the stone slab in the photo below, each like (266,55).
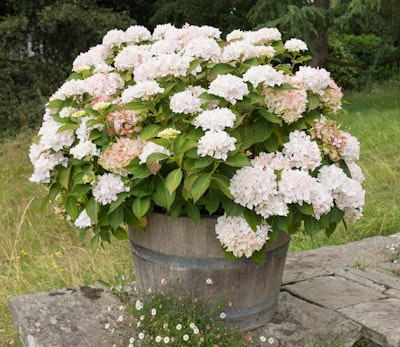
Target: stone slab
(61,318)
(333,292)
(300,323)
(326,260)
(380,319)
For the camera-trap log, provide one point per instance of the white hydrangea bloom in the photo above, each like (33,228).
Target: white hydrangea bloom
(83,220)
(107,187)
(263,74)
(85,149)
(50,138)
(347,192)
(114,37)
(301,152)
(131,57)
(295,45)
(44,162)
(93,57)
(230,87)
(351,149)
(142,90)
(253,185)
(216,144)
(185,102)
(239,50)
(216,119)
(237,236)
(83,132)
(202,47)
(356,172)
(66,112)
(296,186)
(137,33)
(314,79)
(150,148)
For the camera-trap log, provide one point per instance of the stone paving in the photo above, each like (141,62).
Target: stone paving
(331,296)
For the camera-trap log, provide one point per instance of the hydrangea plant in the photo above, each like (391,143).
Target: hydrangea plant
(182,122)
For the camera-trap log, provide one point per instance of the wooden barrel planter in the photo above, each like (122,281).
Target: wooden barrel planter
(177,250)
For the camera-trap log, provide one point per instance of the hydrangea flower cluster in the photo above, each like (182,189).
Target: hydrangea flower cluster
(185,122)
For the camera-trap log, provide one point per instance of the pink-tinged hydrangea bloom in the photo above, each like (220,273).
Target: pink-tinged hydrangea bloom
(351,149)
(295,45)
(216,119)
(107,188)
(141,90)
(301,152)
(123,123)
(44,161)
(231,88)
(131,57)
(185,102)
(120,154)
(150,148)
(95,56)
(286,104)
(332,98)
(83,220)
(263,74)
(216,144)
(253,185)
(331,139)
(314,79)
(85,150)
(237,236)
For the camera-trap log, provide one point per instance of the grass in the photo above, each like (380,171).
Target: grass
(40,252)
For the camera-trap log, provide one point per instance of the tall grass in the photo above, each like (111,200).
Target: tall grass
(39,251)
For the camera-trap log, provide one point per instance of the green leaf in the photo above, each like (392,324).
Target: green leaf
(120,199)
(193,213)
(252,218)
(162,197)
(92,209)
(80,189)
(311,226)
(258,256)
(222,68)
(55,104)
(139,172)
(173,180)
(71,207)
(222,183)
(116,217)
(156,157)
(64,174)
(237,160)
(306,209)
(336,215)
(211,202)
(135,106)
(273,118)
(151,131)
(120,234)
(68,126)
(141,206)
(279,223)
(313,101)
(259,131)
(200,186)
(272,143)
(232,209)
(329,231)
(95,241)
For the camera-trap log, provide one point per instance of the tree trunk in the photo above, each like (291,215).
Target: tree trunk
(320,44)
